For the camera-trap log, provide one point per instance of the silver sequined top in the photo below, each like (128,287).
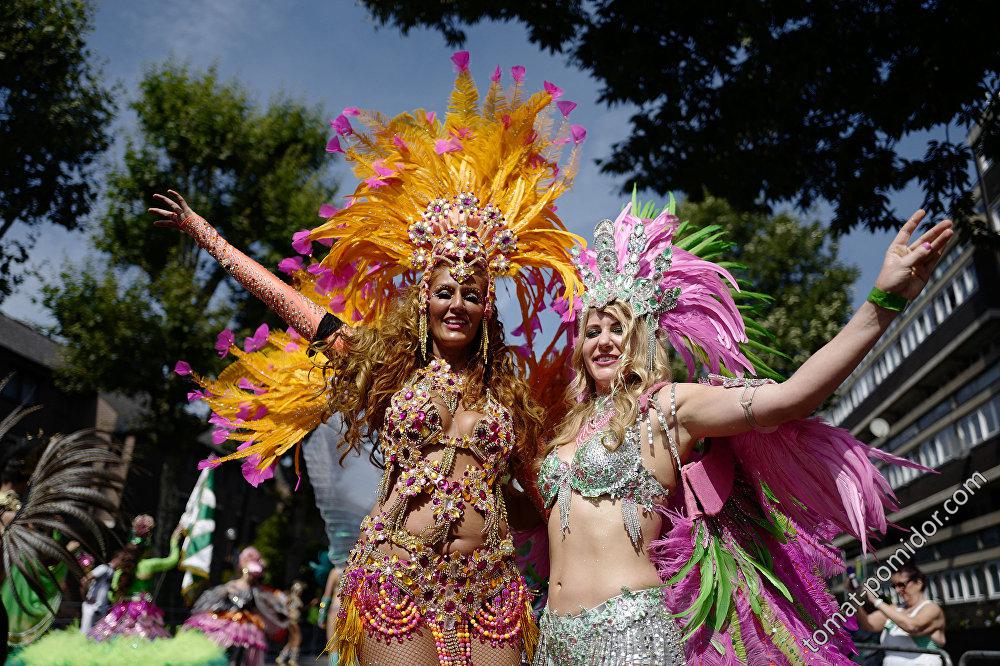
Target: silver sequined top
(596,471)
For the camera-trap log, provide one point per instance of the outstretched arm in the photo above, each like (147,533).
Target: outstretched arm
(297,310)
(706,411)
(145,569)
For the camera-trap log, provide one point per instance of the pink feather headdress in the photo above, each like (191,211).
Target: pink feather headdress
(684,298)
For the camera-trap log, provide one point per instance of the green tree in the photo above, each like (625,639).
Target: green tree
(54,113)
(768,102)
(256,173)
(794,262)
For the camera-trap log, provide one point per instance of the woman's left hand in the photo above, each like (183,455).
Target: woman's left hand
(907,266)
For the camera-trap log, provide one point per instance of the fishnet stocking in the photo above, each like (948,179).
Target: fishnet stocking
(418,650)
(484,654)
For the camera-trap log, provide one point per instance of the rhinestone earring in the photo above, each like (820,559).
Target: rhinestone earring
(422,323)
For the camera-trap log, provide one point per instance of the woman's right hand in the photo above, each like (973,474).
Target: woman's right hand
(178,211)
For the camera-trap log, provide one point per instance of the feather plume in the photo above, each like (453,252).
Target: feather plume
(75,475)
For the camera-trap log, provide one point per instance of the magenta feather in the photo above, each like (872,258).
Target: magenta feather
(809,462)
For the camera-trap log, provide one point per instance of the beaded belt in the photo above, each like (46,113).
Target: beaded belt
(242,617)
(479,593)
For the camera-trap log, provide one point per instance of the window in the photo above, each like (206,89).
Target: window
(992,571)
(966,543)
(961,585)
(934,588)
(980,424)
(984,162)
(934,452)
(20,388)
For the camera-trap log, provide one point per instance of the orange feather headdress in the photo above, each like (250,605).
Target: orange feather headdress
(475,191)
(498,163)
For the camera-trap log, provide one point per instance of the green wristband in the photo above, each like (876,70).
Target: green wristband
(884,299)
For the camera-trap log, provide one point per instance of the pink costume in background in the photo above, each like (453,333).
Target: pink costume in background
(237,615)
(135,613)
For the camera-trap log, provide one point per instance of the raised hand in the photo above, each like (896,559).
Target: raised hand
(178,211)
(907,265)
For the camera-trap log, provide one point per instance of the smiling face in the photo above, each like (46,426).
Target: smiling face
(455,312)
(603,339)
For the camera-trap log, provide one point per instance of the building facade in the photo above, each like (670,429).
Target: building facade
(930,392)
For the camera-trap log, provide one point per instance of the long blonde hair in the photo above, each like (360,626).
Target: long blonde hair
(375,362)
(631,380)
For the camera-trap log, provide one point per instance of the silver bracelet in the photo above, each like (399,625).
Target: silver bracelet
(747,404)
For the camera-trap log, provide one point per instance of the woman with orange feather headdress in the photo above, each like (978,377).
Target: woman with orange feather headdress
(442,210)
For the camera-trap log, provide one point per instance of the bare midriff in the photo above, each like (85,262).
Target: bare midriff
(466,534)
(592,556)
(593,560)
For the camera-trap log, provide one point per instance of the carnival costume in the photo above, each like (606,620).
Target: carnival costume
(68,483)
(743,554)
(135,613)
(237,617)
(95,597)
(293,604)
(474,192)
(29,613)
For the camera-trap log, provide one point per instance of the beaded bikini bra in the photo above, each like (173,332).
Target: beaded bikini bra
(596,471)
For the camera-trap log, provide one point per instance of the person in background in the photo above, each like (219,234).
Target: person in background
(329,607)
(918,623)
(94,589)
(31,618)
(293,603)
(238,615)
(135,613)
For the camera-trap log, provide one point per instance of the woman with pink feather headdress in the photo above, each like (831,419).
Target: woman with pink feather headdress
(661,554)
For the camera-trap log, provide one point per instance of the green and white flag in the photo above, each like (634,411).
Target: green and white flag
(199,521)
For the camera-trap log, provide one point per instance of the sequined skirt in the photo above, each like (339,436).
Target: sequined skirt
(632,629)
(137,616)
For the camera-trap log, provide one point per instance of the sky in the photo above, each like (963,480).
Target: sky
(331,53)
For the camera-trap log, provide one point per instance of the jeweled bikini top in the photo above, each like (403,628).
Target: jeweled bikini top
(596,471)
(413,422)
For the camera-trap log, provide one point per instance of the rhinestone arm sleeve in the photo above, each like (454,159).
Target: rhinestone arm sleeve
(298,311)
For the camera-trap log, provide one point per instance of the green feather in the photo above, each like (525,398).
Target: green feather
(724,586)
(701,605)
(687,242)
(696,555)
(705,246)
(752,581)
(707,583)
(764,348)
(765,571)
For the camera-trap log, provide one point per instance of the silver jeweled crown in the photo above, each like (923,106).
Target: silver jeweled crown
(622,282)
